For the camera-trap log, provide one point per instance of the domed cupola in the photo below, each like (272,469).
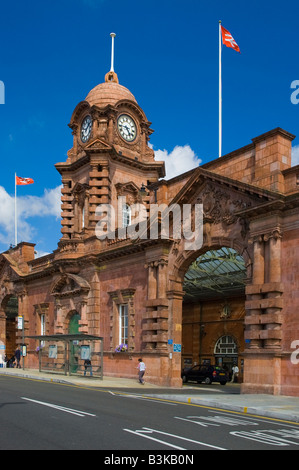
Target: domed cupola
(110,156)
(110,115)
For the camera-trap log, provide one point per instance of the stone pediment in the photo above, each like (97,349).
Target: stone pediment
(7,277)
(79,188)
(130,187)
(223,199)
(97,145)
(200,176)
(9,268)
(130,191)
(69,285)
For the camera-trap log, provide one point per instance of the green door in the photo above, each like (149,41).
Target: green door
(74,346)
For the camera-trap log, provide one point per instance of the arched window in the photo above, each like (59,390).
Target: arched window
(226,346)
(126,215)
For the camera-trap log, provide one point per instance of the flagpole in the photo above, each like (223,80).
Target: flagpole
(16,216)
(220,91)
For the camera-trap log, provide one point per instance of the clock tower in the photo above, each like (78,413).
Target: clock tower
(110,157)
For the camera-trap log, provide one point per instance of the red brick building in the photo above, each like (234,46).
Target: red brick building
(235,299)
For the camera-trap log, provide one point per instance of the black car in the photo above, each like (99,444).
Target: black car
(205,374)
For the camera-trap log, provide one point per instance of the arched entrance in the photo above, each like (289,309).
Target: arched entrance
(213,309)
(226,352)
(9,315)
(73,329)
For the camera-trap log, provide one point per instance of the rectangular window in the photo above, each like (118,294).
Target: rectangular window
(43,327)
(126,213)
(123,324)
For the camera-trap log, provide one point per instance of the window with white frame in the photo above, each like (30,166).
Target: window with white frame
(226,345)
(126,213)
(43,326)
(123,324)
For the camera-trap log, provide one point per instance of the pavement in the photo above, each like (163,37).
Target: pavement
(269,406)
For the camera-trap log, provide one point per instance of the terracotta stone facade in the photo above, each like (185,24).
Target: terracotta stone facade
(250,201)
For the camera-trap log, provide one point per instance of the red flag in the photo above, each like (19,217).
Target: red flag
(22,181)
(228,40)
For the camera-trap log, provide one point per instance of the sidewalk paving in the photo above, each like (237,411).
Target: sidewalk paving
(270,406)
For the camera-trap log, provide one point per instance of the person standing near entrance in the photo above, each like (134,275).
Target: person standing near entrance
(235,373)
(18,358)
(141,370)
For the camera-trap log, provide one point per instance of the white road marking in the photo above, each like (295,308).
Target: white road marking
(141,397)
(267,437)
(144,431)
(60,408)
(205,425)
(141,434)
(218,420)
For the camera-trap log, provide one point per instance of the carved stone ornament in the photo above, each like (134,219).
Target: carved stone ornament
(220,206)
(225,311)
(275,234)
(69,285)
(130,191)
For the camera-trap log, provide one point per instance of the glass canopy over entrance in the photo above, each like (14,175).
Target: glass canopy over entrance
(217,273)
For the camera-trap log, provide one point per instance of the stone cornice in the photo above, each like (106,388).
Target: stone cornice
(120,157)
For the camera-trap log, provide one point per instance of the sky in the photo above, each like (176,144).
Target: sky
(166,54)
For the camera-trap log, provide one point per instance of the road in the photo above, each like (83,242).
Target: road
(47,416)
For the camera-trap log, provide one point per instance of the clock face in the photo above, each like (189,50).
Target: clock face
(126,127)
(86,128)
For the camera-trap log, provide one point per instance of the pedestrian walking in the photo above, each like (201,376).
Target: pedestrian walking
(18,357)
(141,370)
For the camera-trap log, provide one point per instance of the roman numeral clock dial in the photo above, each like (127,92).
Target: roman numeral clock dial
(126,127)
(86,128)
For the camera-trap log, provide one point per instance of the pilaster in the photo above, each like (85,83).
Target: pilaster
(265,295)
(155,327)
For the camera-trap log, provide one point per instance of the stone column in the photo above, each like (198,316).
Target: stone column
(253,304)
(258,275)
(86,211)
(111,124)
(83,320)
(162,279)
(58,324)
(156,316)
(75,138)
(175,333)
(275,256)
(150,324)
(2,326)
(23,311)
(152,281)
(273,300)
(162,305)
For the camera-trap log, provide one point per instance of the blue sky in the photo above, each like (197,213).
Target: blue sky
(166,53)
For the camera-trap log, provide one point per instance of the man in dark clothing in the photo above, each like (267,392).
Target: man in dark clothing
(87,366)
(18,358)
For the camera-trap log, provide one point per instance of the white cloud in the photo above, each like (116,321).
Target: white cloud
(180,160)
(34,206)
(27,206)
(295,155)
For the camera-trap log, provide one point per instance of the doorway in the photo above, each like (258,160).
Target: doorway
(226,353)
(74,346)
(11,313)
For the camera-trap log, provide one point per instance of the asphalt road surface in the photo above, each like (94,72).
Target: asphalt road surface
(47,416)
